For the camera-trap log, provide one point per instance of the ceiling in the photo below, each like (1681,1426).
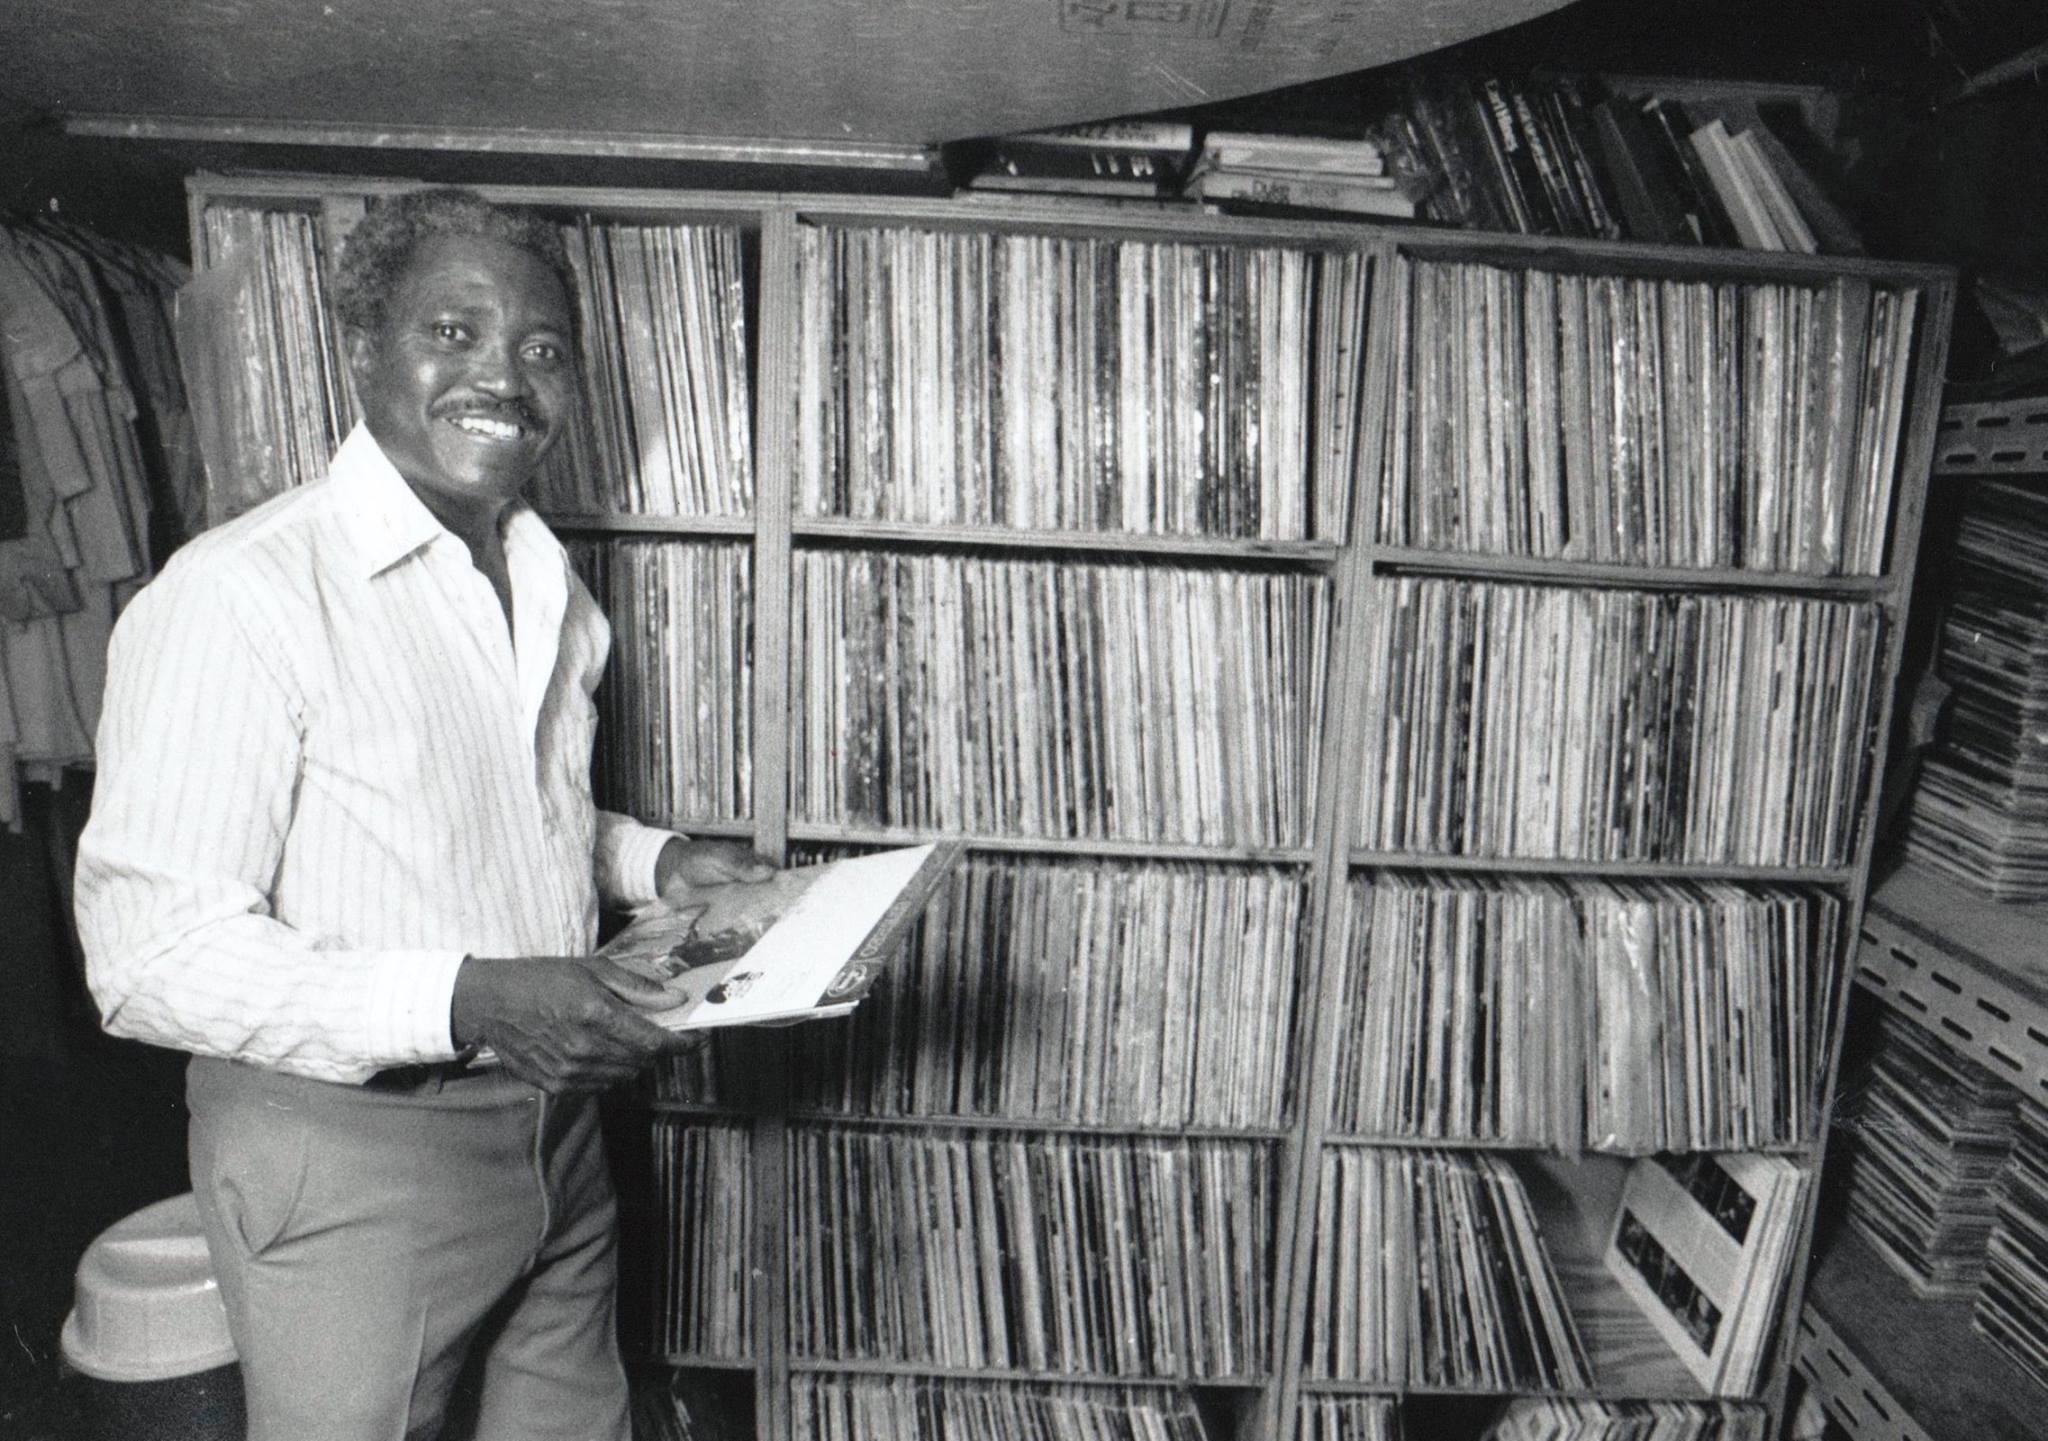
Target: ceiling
(866,71)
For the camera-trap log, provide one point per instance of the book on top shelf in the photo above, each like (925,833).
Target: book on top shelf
(1320,154)
(1076,170)
(1379,195)
(1166,137)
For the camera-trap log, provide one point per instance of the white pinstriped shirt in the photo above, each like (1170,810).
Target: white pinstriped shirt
(327,773)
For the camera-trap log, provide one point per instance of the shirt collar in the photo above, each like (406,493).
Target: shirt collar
(388,522)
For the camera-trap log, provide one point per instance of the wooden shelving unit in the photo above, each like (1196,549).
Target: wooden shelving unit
(1628,1359)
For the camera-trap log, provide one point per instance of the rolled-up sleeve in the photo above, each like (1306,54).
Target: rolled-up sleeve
(628,854)
(200,748)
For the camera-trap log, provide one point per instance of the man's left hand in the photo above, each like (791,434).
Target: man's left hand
(685,865)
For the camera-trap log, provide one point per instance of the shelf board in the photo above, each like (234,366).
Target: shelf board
(1325,1386)
(703,1110)
(1972,970)
(1551,866)
(1795,1150)
(697,1362)
(735,526)
(722,829)
(1037,1125)
(1118,543)
(821,1365)
(1891,1366)
(815,833)
(1417,561)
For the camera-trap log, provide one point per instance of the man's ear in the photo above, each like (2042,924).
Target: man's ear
(360,347)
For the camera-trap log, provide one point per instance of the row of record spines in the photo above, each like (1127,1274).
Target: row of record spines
(829,1407)
(1638,420)
(1167,994)
(306,396)
(1428,1270)
(1102,1256)
(1545,722)
(2013,1299)
(1347,1418)
(1035,698)
(1101,701)
(1146,995)
(702,1292)
(1547,1418)
(1673,1016)
(675,708)
(1079,382)
(289,404)
(666,427)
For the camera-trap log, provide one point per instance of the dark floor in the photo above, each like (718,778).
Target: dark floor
(90,1128)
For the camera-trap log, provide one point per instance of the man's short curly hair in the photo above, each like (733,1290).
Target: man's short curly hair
(385,240)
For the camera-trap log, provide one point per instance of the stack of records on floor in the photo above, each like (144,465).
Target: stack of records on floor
(1550,1418)
(2012,1307)
(904,1408)
(1980,815)
(1703,1245)
(1932,1135)
(1254,169)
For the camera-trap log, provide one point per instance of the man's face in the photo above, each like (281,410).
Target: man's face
(470,380)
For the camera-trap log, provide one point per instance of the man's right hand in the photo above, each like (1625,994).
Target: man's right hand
(562,1023)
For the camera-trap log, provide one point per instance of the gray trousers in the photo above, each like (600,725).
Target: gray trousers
(374,1244)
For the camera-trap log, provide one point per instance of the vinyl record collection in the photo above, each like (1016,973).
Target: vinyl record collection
(1555,1419)
(1032,698)
(676,702)
(704,1184)
(667,421)
(1077,1255)
(871,1408)
(1932,1133)
(1061,567)
(290,406)
(1100,993)
(1429,1270)
(1078,382)
(1539,722)
(1980,813)
(2012,1306)
(1348,1418)
(1644,421)
(1628,1017)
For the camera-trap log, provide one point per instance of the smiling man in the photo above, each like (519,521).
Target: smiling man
(343,836)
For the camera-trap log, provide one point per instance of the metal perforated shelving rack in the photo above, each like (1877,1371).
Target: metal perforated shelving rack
(1890,1365)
